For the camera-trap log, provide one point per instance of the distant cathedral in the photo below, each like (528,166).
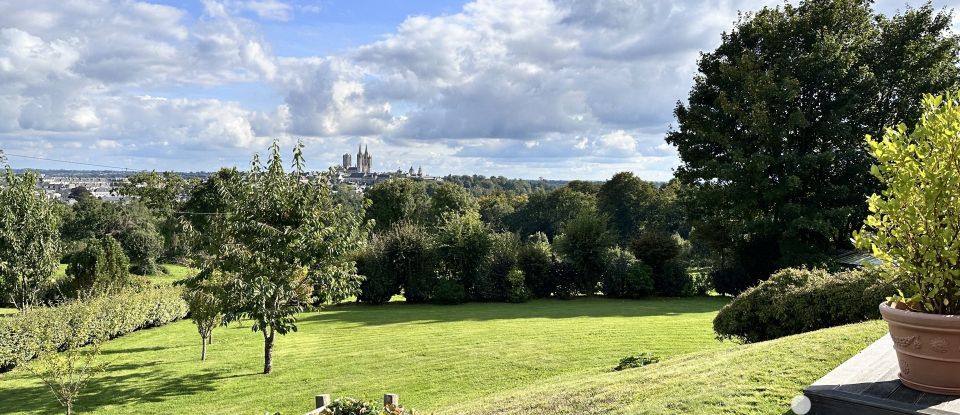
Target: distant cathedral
(364,161)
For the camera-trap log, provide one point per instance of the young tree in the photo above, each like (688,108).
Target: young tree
(65,372)
(284,240)
(164,194)
(29,238)
(205,294)
(771,140)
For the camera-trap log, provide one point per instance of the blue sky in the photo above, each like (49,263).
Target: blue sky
(561,89)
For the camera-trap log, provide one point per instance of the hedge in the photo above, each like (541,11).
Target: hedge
(113,316)
(798,300)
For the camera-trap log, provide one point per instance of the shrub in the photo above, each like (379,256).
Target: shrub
(673,280)
(731,281)
(797,300)
(630,362)
(448,291)
(113,316)
(351,406)
(625,276)
(100,267)
(517,288)
(914,222)
(701,282)
(534,259)
(380,282)
(494,284)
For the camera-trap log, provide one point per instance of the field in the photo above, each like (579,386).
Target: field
(433,356)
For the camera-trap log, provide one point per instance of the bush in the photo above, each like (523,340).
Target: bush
(351,406)
(797,300)
(630,362)
(625,276)
(99,268)
(673,280)
(464,245)
(448,291)
(517,287)
(143,247)
(534,259)
(701,283)
(380,282)
(115,315)
(731,281)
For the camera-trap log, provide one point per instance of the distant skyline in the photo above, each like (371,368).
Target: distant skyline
(560,89)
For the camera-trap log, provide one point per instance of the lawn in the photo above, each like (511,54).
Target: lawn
(758,378)
(433,356)
(174,273)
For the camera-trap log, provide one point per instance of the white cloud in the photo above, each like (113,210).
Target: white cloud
(518,87)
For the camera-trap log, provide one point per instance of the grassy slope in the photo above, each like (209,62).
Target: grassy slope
(758,378)
(433,356)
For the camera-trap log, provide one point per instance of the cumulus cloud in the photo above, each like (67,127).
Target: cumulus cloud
(518,87)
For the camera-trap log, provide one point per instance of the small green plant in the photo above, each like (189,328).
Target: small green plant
(351,406)
(915,221)
(630,362)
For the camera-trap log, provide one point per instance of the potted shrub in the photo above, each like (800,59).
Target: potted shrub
(914,225)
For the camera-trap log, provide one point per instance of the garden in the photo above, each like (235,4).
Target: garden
(717,292)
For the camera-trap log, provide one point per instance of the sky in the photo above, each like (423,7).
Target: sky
(563,89)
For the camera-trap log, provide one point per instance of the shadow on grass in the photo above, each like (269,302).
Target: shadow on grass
(134,350)
(401,312)
(112,388)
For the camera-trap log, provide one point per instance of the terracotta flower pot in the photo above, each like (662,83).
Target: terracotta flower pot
(928,349)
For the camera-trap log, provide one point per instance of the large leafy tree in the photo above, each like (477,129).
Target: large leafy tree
(772,137)
(283,241)
(29,238)
(629,202)
(547,212)
(396,200)
(450,198)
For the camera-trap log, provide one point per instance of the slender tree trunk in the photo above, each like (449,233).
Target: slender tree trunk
(203,349)
(268,351)
(69,406)
(210,337)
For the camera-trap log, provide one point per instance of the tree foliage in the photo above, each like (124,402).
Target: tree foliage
(100,268)
(914,223)
(396,200)
(630,203)
(29,239)
(584,243)
(284,244)
(771,137)
(547,212)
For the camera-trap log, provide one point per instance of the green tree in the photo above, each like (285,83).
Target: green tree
(463,244)
(583,186)
(584,244)
(205,294)
(547,212)
(100,268)
(771,137)
(450,198)
(629,202)
(396,200)
(284,241)
(29,238)
(497,207)
(164,194)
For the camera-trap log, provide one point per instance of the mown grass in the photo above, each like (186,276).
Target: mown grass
(759,378)
(433,356)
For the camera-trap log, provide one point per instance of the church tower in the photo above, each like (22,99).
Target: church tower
(359,159)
